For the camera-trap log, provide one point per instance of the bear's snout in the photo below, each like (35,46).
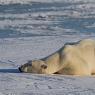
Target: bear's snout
(20,69)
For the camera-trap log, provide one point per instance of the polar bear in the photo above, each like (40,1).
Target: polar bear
(72,59)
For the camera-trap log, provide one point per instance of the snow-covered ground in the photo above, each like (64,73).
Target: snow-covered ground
(33,29)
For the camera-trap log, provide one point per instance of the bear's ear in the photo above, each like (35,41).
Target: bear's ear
(44,66)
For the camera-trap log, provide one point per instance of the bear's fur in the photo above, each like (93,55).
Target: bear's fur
(72,59)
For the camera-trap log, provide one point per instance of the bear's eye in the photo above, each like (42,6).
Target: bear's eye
(44,66)
(29,64)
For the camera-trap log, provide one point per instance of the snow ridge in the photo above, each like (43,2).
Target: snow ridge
(28,1)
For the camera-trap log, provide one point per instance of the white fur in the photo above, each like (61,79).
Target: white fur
(73,59)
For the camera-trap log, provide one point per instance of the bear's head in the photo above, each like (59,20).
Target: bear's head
(36,66)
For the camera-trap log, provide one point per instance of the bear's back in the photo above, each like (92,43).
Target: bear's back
(87,49)
(84,48)
(87,42)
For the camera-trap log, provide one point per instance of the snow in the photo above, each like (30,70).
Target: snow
(34,29)
(30,84)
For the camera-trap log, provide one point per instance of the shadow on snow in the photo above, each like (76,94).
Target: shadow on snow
(9,71)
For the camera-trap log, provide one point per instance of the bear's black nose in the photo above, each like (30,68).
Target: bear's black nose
(19,69)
